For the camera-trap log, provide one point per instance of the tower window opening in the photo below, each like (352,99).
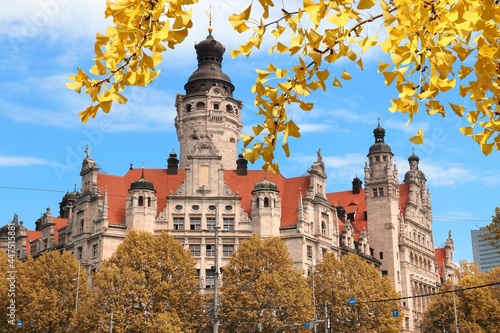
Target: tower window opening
(266,202)
(149,202)
(188,108)
(323,227)
(141,201)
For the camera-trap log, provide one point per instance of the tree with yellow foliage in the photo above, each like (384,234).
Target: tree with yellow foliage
(148,285)
(432,46)
(262,288)
(5,326)
(46,297)
(477,307)
(336,281)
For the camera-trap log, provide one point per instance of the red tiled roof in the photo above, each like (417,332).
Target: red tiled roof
(289,190)
(352,203)
(32,235)
(117,187)
(440,259)
(59,223)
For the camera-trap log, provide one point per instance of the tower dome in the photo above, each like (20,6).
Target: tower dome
(413,160)
(265,185)
(142,184)
(379,146)
(209,54)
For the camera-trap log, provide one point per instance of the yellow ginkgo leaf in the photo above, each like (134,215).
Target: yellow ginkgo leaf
(458,109)
(345,75)
(238,20)
(336,83)
(419,138)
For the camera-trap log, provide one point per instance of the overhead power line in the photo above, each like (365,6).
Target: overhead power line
(433,294)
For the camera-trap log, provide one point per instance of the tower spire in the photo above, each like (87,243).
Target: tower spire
(209,15)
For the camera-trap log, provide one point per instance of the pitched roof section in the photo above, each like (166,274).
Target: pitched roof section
(440,259)
(32,235)
(289,190)
(117,187)
(59,223)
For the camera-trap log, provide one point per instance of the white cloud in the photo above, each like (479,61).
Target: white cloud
(25,161)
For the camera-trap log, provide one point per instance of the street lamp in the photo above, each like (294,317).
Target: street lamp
(77,287)
(216,284)
(454,303)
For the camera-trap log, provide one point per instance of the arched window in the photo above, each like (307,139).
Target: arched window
(82,225)
(188,107)
(323,227)
(266,202)
(141,201)
(149,202)
(200,105)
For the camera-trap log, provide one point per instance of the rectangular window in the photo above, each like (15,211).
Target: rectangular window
(309,252)
(94,250)
(195,223)
(384,273)
(227,250)
(228,223)
(381,255)
(380,191)
(178,223)
(211,223)
(79,253)
(209,278)
(375,192)
(195,250)
(210,250)
(216,106)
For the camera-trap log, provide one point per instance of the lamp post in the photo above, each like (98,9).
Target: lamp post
(216,284)
(314,300)
(454,303)
(77,287)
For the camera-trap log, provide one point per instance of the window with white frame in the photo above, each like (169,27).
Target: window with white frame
(210,250)
(309,252)
(195,249)
(178,223)
(211,222)
(195,223)
(227,250)
(228,223)
(209,278)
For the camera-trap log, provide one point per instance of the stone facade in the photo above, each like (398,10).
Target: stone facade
(209,187)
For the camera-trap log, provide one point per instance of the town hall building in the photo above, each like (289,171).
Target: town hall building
(209,200)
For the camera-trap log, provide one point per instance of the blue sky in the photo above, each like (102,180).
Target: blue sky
(43,140)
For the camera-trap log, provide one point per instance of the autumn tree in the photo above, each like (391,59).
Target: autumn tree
(262,286)
(148,285)
(434,49)
(46,297)
(477,309)
(494,229)
(336,281)
(5,326)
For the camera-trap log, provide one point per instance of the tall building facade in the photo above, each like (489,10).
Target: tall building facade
(485,256)
(207,187)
